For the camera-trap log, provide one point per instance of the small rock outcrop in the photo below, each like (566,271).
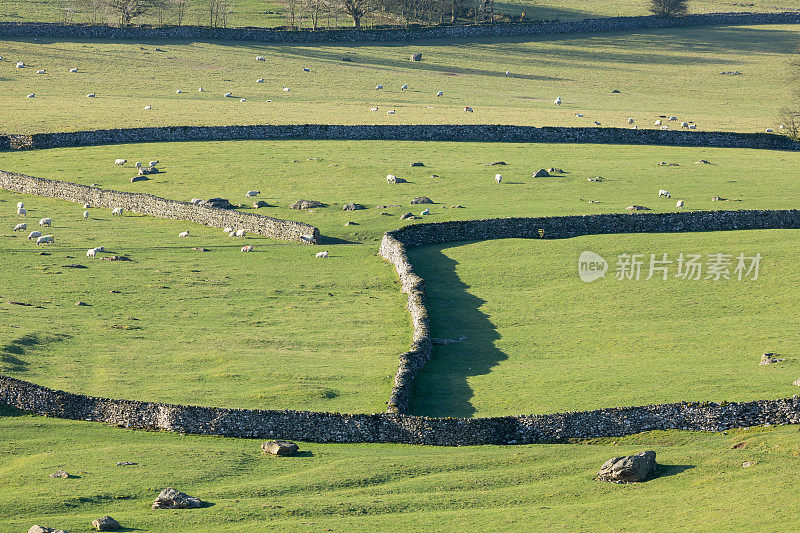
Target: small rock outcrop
(306,204)
(36,528)
(139,178)
(637,208)
(352,207)
(421,200)
(260,203)
(280,447)
(629,469)
(105,523)
(769,358)
(221,203)
(61,473)
(407,216)
(541,173)
(173,499)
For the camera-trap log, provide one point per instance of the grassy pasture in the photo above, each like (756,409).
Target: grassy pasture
(353,171)
(276,328)
(630,342)
(660,72)
(380,487)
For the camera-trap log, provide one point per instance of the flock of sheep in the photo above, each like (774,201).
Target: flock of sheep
(43,222)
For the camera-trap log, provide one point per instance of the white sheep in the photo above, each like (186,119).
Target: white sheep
(379,87)
(148,107)
(116,211)
(439,94)
(557,100)
(391,178)
(252,194)
(200,89)
(22,212)
(86,215)
(34,235)
(630,121)
(692,126)
(243,100)
(228,95)
(73,70)
(404,87)
(120,162)
(228,230)
(32,95)
(46,222)
(21,226)
(579,115)
(390,112)
(178,92)
(240,233)
(90,95)
(508,73)
(45,239)
(658,122)
(91,252)
(679,205)
(306,69)
(286,89)
(183,234)
(40,72)
(260,80)
(152,164)
(20,64)
(673,119)
(425,212)
(663,193)
(20,204)
(373,108)
(498,178)
(261,58)
(322,254)
(247,248)
(86,206)
(684,125)
(232,233)
(468,109)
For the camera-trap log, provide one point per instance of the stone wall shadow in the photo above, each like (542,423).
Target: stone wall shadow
(441,388)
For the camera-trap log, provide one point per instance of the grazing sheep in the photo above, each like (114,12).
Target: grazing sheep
(120,162)
(20,64)
(90,95)
(664,127)
(684,125)
(468,109)
(34,235)
(252,194)
(232,234)
(378,87)
(391,178)
(769,130)
(498,178)
(152,164)
(32,95)
(508,73)
(596,123)
(373,108)
(183,234)
(45,239)
(243,100)
(148,107)
(261,58)
(247,248)
(673,119)
(679,205)
(322,254)
(228,230)
(439,94)
(658,122)
(260,80)
(200,89)
(91,252)
(781,127)
(21,226)
(178,92)
(663,193)
(630,121)
(557,101)
(73,70)
(425,212)
(579,115)
(45,222)
(20,204)
(404,87)
(228,95)
(86,215)
(86,206)
(390,112)
(692,126)
(117,211)
(286,89)
(22,212)
(306,69)
(240,233)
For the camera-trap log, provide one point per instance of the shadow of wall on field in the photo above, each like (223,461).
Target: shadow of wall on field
(441,388)
(11,353)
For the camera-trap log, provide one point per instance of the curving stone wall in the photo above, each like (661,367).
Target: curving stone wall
(404,132)
(394,244)
(160,207)
(266,35)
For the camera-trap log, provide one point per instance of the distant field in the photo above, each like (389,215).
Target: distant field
(540,340)
(269,14)
(391,487)
(664,72)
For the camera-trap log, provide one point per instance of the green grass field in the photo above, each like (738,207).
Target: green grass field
(703,485)
(663,72)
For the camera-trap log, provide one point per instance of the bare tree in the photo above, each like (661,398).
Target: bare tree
(669,8)
(790,119)
(127,10)
(180,10)
(315,9)
(161,8)
(218,12)
(357,9)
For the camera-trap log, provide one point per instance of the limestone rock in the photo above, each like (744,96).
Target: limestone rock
(407,216)
(637,208)
(105,523)
(306,204)
(139,178)
(280,447)
(352,207)
(769,358)
(221,203)
(36,528)
(61,473)
(260,203)
(541,173)
(173,499)
(421,200)
(628,469)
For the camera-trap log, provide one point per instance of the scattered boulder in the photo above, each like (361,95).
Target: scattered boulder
(170,498)
(61,473)
(125,463)
(541,173)
(36,528)
(306,204)
(139,178)
(749,463)
(769,358)
(260,203)
(407,216)
(352,207)
(280,447)
(416,56)
(637,208)
(554,170)
(105,523)
(628,469)
(418,164)
(221,203)
(421,200)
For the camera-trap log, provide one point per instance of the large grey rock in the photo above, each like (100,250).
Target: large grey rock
(352,207)
(629,469)
(139,178)
(637,208)
(222,203)
(63,473)
(105,523)
(306,204)
(280,447)
(421,200)
(36,528)
(541,173)
(173,499)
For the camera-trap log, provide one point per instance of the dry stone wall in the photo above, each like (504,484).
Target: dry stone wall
(160,207)
(405,132)
(394,34)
